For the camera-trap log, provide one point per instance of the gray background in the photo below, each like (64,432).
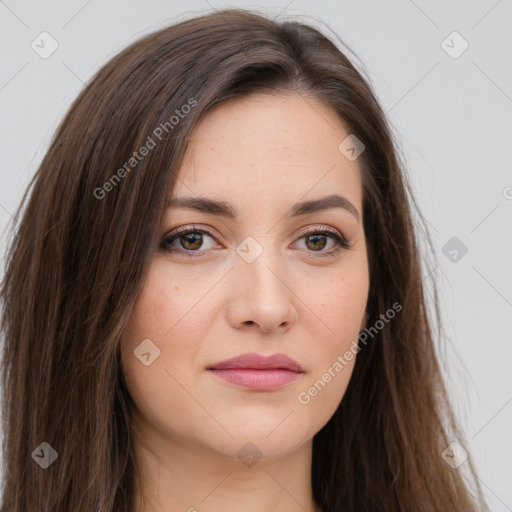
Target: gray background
(451,117)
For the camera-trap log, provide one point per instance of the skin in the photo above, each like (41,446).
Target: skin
(262,154)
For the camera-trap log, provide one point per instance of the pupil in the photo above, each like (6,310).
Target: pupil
(317,237)
(193,239)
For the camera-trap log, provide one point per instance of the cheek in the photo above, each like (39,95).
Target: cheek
(339,304)
(164,313)
(157,317)
(345,305)
(168,309)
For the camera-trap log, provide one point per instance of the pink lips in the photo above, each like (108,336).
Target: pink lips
(257,372)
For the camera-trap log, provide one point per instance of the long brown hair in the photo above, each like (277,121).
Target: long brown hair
(86,232)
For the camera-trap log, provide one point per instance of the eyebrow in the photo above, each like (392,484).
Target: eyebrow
(224,209)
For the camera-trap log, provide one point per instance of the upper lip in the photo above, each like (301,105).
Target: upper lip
(258,362)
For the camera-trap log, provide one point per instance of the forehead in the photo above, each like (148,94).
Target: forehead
(266,146)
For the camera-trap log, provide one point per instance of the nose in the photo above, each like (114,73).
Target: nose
(261,297)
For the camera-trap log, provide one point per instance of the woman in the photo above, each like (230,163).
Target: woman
(214,296)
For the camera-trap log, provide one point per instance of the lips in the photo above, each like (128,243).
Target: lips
(258,362)
(257,372)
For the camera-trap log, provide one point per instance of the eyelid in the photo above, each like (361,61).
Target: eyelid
(322,228)
(194,228)
(176,233)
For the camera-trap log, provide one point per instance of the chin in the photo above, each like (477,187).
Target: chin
(263,438)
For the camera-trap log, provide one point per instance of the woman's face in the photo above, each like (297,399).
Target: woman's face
(266,280)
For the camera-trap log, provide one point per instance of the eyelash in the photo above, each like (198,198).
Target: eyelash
(342,243)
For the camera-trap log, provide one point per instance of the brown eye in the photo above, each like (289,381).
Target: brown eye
(192,241)
(188,240)
(316,242)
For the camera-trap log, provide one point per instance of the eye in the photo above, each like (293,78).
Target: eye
(187,241)
(317,239)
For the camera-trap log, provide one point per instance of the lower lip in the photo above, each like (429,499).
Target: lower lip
(261,380)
